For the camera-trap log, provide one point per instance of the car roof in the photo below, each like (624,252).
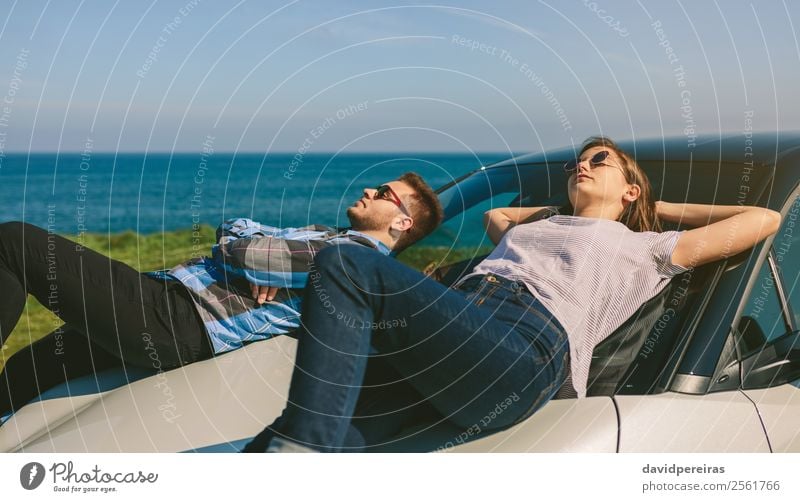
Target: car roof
(712,172)
(766,148)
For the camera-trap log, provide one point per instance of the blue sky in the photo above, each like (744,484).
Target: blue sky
(324,76)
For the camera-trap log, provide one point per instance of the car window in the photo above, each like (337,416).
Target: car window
(764,318)
(465,204)
(786,247)
(465,231)
(639,353)
(684,182)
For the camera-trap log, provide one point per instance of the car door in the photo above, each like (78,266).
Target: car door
(680,423)
(770,344)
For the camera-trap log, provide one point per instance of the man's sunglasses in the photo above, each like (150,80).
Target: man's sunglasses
(385,192)
(597,159)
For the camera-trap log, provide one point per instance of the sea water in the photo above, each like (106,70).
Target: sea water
(103,192)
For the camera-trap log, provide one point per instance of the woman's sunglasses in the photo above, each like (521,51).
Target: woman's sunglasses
(597,159)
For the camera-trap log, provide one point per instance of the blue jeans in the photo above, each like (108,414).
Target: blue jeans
(486,355)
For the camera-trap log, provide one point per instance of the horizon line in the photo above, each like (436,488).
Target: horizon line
(249,152)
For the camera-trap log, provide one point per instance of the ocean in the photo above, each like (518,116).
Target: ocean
(101,192)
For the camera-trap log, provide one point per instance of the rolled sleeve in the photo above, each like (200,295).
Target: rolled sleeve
(662,245)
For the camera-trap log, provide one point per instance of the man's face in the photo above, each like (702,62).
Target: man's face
(377,210)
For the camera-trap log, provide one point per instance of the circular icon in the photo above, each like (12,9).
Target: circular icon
(31,475)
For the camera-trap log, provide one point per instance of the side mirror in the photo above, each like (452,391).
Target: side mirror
(776,363)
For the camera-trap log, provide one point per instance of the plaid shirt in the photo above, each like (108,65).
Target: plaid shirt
(248,252)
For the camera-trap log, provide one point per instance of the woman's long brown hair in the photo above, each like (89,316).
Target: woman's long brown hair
(639,215)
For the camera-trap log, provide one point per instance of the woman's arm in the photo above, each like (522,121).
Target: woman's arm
(722,231)
(500,220)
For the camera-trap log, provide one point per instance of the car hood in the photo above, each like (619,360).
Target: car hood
(219,404)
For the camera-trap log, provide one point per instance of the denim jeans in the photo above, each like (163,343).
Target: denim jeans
(486,355)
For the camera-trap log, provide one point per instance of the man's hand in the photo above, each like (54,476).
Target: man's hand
(263,293)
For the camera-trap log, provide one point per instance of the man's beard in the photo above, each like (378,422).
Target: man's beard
(363,221)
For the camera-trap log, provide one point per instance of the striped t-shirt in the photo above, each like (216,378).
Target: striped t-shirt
(592,274)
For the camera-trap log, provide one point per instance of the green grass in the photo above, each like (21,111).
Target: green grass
(165,250)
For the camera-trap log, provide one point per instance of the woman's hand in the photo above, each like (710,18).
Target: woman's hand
(660,209)
(668,211)
(500,220)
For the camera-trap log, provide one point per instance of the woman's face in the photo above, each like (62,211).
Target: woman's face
(601,182)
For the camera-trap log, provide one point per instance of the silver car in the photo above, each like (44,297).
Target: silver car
(710,364)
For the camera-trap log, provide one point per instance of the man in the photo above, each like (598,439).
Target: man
(207,306)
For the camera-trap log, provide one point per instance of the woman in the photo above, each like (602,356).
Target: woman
(490,352)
